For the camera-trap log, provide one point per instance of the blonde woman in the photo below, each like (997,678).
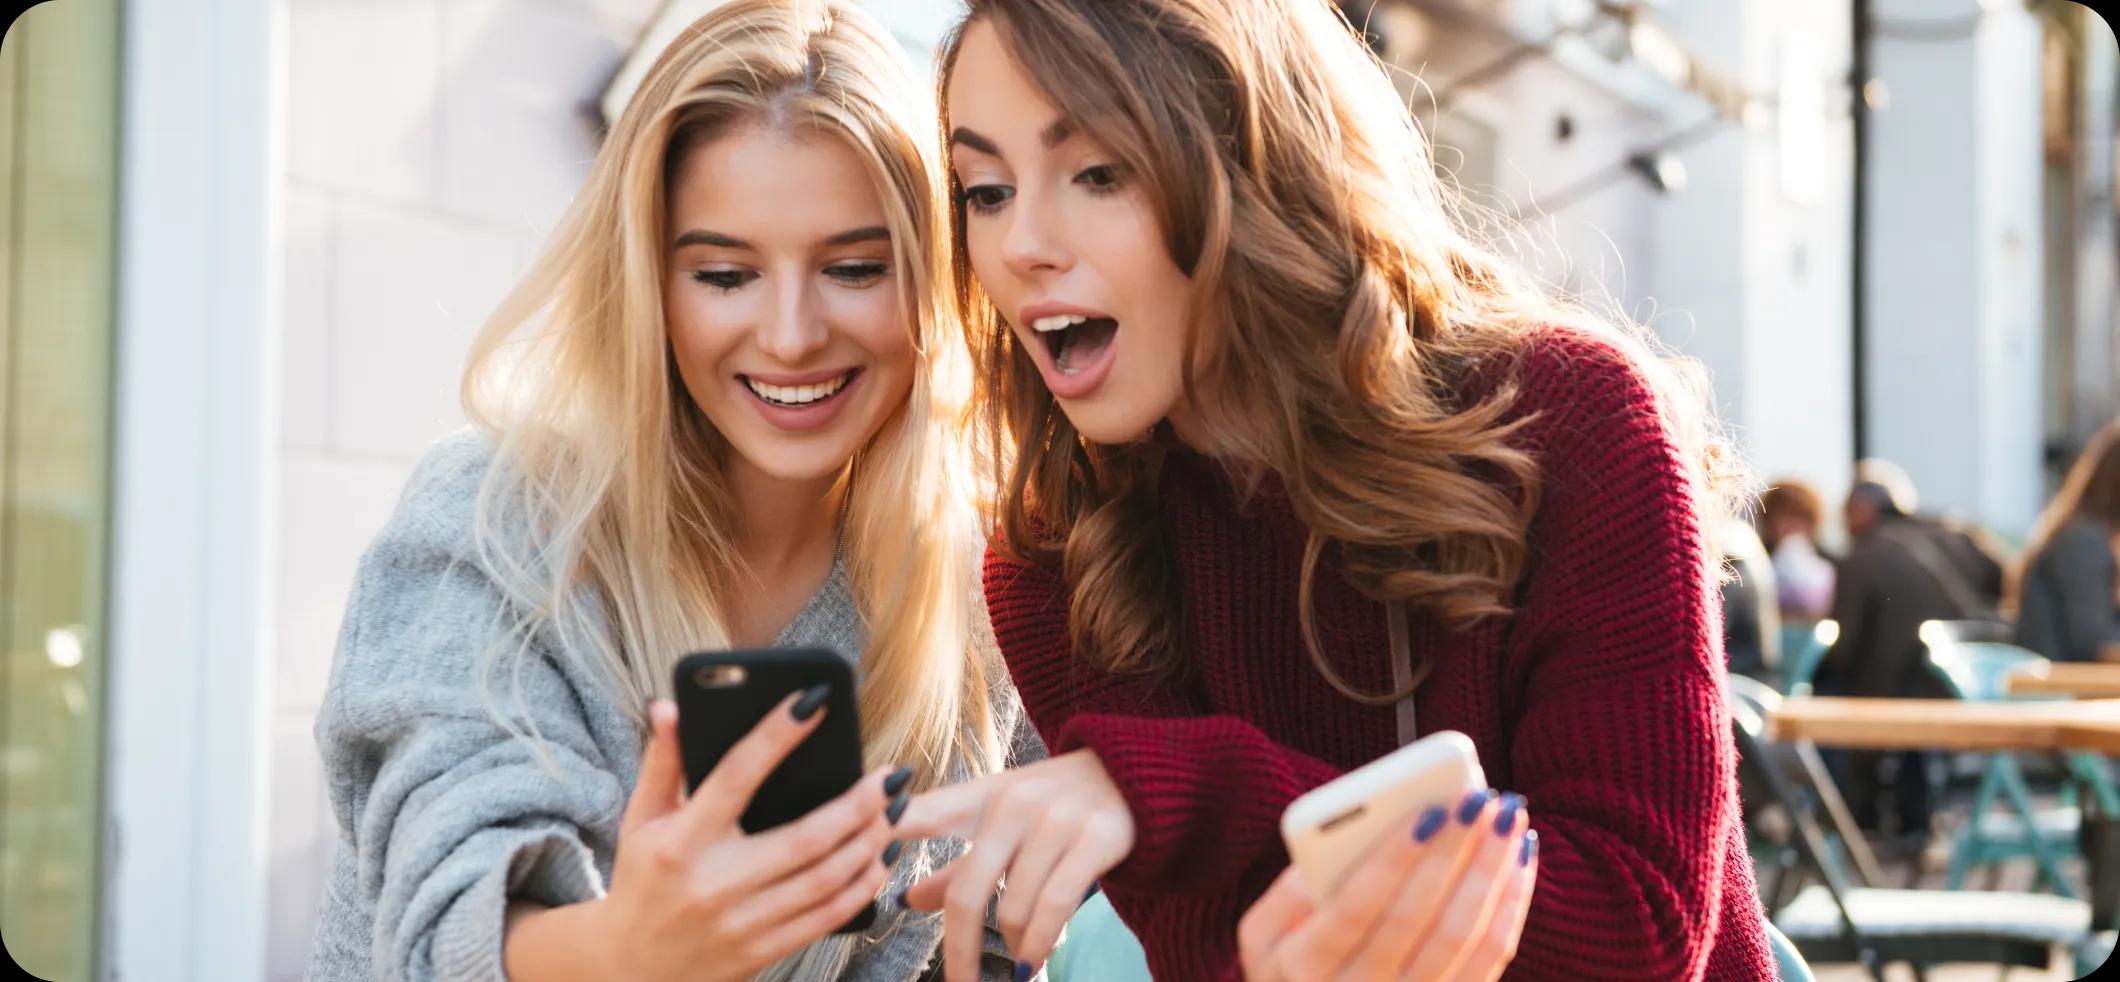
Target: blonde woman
(725,408)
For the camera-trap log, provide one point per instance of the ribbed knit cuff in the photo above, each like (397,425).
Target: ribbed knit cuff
(546,867)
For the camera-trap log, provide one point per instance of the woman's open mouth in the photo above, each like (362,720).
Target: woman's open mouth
(1074,341)
(1079,351)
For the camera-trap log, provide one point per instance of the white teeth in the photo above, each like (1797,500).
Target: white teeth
(797,395)
(1057,322)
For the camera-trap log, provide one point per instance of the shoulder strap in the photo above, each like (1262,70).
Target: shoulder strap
(1402,677)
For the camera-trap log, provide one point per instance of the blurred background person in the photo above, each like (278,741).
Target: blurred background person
(1897,575)
(1968,548)
(1790,515)
(2068,607)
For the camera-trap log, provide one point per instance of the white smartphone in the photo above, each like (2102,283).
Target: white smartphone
(1333,826)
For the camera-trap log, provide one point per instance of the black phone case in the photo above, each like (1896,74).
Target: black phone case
(713,714)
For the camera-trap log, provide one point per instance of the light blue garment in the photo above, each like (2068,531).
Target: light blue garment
(1787,960)
(1097,947)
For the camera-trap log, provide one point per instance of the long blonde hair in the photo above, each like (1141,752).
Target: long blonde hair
(1341,298)
(606,517)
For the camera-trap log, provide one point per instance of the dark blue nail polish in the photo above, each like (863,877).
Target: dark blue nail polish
(896,810)
(1023,971)
(812,700)
(896,781)
(898,899)
(1530,848)
(890,852)
(1431,822)
(1474,803)
(1506,818)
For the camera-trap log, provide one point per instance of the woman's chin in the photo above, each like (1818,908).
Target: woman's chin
(1111,424)
(788,462)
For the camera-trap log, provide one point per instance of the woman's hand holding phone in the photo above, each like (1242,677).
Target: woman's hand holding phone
(693,897)
(1051,828)
(1443,898)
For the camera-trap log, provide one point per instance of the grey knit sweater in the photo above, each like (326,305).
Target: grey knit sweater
(444,816)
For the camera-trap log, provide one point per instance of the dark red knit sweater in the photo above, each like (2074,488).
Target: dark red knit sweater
(1600,701)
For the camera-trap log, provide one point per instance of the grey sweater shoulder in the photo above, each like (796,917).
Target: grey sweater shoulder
(444,815)
(2066,610)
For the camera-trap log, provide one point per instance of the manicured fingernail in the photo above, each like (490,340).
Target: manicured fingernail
(890,852)
(812,700)
(1506,818)
(1431,822)
(1023,971)
(1530,848)
(898,899)
(897,808)
(896,782)
(1474,803)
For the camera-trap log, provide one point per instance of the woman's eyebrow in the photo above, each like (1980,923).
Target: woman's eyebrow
(964,137)
(852,236)
(700,237)
(855,236)
(1053,136)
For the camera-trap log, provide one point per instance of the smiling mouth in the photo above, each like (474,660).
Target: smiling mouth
(799,396)
(1074,340)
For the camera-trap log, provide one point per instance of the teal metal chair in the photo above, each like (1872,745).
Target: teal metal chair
(1803,646)
(1978,670)
(1780,871)
(1841,918)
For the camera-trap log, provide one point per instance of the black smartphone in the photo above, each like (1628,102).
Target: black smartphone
(721,695)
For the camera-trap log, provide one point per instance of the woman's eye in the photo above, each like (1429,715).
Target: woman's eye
(857,274)
(1102,178)
(985,199)
(724,280)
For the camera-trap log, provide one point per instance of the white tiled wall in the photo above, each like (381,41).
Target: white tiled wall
(431,143)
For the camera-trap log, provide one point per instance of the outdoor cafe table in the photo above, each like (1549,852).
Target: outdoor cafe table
(2082,680)
(1948,724)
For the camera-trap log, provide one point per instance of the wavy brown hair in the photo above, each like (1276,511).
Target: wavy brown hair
(1339,303)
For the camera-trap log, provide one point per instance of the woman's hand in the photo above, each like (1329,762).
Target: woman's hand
(1050,829)
(693,897)
(1444,898)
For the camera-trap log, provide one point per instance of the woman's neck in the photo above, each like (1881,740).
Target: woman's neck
(786,529)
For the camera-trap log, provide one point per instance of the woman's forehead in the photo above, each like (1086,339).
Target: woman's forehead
(768,185)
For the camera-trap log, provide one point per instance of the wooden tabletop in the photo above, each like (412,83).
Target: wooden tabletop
(2083,680)
(1949,724)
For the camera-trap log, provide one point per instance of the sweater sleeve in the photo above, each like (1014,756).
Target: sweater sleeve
(445,815)
(1206,790)
(1621,744)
